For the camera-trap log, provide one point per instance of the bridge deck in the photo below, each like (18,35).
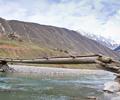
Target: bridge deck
(105,62)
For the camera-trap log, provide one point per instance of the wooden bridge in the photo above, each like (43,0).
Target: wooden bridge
(104,62)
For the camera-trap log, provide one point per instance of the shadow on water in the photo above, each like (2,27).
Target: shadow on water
(53,86)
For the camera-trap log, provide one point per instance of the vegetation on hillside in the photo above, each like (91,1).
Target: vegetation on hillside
(17,49)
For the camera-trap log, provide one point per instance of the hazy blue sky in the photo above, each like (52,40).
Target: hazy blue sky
(94,16)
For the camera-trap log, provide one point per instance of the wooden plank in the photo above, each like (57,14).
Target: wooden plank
(83,60)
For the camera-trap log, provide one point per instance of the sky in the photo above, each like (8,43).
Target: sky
(100,17)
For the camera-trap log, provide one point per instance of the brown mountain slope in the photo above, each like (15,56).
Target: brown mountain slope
(52,40)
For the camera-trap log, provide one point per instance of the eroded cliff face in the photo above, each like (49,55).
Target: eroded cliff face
(49,39)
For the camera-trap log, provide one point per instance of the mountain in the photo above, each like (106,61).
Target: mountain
(117,49)
(25,39)
(102,40)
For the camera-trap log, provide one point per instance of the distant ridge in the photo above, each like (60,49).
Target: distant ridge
(117,49)
(102,40)
(48,40)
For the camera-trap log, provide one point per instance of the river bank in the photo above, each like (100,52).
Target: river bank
(53,70)
(66,66)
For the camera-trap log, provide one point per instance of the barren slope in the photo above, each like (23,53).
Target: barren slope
(52,40)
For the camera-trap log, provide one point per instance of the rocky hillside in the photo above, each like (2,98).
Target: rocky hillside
(24,39)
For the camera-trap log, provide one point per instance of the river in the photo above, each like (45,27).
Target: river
(55,86)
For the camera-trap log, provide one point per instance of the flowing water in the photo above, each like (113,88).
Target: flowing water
(54,86)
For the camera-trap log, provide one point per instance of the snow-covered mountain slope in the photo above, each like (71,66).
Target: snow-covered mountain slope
(117,49)
(102,40)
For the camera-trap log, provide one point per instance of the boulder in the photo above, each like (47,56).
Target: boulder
(112,87)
